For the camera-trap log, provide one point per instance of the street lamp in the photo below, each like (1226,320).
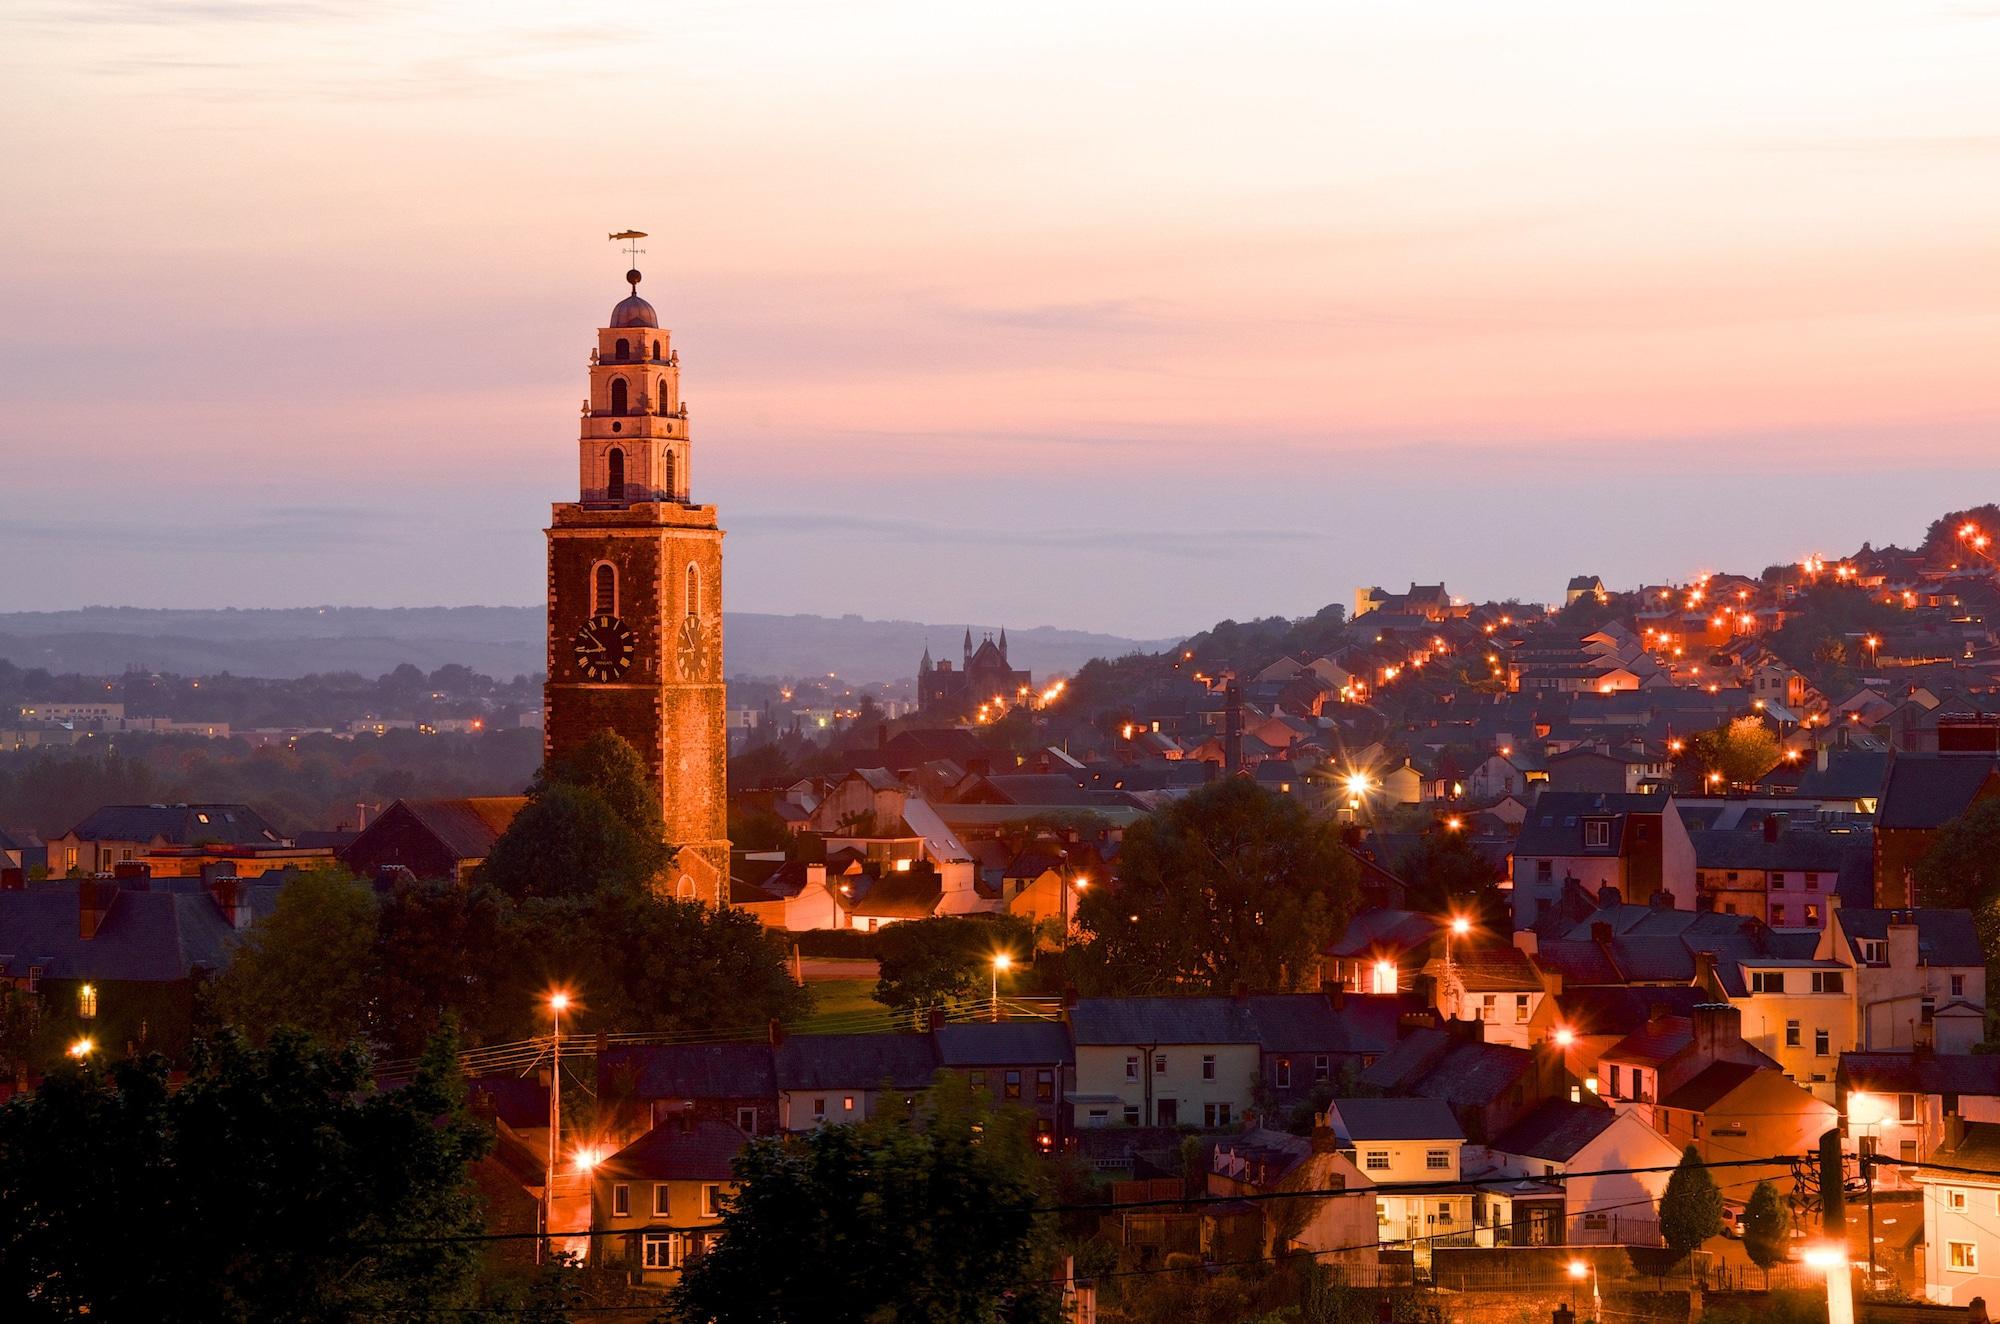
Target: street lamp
(1001,962)
(558,1004)
(1577,1269)
(1458,928)
(1830,1258)
(83,1048)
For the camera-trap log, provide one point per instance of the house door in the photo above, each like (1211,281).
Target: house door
(1167,1111)
(1538,1227)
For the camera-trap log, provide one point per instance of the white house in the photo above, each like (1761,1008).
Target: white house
(1962,1217)
(1163,1061)
(1411,1142)
(1559,1137)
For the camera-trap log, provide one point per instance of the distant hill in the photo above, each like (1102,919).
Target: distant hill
(500,641)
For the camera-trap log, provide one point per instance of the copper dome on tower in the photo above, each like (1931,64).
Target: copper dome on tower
(633,310)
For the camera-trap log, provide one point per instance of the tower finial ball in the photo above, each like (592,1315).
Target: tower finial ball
(632,277)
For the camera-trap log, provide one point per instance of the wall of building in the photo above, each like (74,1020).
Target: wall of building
(1977,1225)
(1100,1070)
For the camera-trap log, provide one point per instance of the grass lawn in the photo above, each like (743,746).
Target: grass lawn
(847,1005)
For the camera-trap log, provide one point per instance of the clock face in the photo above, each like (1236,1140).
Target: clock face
(688,654)
(605,647)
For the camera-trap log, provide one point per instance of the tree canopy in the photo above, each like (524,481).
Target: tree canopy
(274,1183)
(1230,885)
(1767,1228)
(1742,751)
(930,962)
(307,964)
(1691,1209)
(886,1219)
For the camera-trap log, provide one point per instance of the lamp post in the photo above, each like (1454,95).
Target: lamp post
(1458,928)
(1576,1271)
(1001,961)
(558,1003)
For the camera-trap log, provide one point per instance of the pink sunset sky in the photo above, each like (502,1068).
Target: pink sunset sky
(1128,316)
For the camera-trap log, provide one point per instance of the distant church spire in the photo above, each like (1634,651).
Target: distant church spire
(968,645)
(1003,643)
(924,667)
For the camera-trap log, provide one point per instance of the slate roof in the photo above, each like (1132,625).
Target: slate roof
(1922,1073)
(1944,937)
(1309,1023)
(1554,826)
(693,1071)
(1555,1130)
(467,826)
(1850,774)
(855,1061)
(1926,791)
(179,825)
(1496,970)
(1166,1020)
(1432,1064)
(1654,1042)
(698,1150)
(1620,1011)
(1383,930)
(1818,852)
(150,936)
(1002,1043)
(911,895)
(1979,1148)
(1710,1086)
(1039,788)
(1395,1119)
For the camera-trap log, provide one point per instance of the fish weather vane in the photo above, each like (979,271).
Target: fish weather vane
(632,245)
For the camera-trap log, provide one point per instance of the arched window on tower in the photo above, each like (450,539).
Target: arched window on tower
(614,479)
(656,351)
(623,349)
(673,493)
(693,590)
(663,395)
(604,591)
(618,395)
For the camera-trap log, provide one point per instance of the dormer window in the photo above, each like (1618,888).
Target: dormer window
(1596,832)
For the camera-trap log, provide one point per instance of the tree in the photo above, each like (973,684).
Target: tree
(569,841)
(939,1222)
(930,962)
(1230,885)
(607,764)
(273,1184)
(645,963)
(1445,871)
(1767,1228)
(444,950)
(308,965)
(1742,752)
(1691,1209)
(1961,870)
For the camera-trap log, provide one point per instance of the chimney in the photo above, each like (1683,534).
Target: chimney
(1608,895)
(1336,997)
(1600,932)
(1323,1140)
(777,1032)
(133,874)
(1704,970)
(1772,824)
(1902,944)
(1232,728)
(1527,941)
(881,735)
(1661,900)
(1239,992)
(93,903)
(1954,1131)
(231,900)
(1656,1015)
(1718,1029)
(13,880)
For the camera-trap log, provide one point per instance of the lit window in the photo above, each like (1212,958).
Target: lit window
(1954,1199)
(86,1000)
(847,1103)
(663,1250)
(1963,1256)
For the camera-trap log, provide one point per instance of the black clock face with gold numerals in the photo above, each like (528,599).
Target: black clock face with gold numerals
(605,647)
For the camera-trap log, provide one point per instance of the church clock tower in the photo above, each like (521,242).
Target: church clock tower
(635,596)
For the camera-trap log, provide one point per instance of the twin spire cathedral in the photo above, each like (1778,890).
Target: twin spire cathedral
(635,596)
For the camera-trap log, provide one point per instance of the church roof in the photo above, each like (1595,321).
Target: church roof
(634,311)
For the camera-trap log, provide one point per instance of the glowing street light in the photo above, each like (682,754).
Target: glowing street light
(1385,977)
(82,1048)
(558,1001)
(1003,962)
(1565,1037)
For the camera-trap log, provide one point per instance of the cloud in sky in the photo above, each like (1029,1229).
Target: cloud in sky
(1123,301)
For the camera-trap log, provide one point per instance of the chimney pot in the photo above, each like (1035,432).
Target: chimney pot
(777,1032)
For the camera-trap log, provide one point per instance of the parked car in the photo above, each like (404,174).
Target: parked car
(1732,1219)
